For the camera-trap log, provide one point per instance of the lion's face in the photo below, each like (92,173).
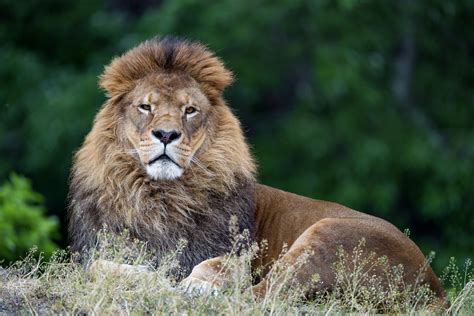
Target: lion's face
(165,123)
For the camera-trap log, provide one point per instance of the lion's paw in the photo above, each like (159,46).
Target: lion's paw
(101,267)
(192,285)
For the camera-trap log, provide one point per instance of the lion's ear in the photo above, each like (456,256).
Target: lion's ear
(115,79)
(207,69)
(166,55)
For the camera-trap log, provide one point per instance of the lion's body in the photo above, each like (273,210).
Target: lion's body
(167,160)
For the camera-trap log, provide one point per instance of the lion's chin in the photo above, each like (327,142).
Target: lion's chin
(164,170)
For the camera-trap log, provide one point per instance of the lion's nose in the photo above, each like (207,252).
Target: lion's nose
(164,136)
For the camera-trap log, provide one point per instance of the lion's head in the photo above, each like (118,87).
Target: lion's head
(168,92)
(166,158)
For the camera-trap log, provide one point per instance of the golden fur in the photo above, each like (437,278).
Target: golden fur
(115,181)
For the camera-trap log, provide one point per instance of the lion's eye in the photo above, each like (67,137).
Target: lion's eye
(190,110)
(144,107)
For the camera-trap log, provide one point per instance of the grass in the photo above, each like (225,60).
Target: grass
(60,285)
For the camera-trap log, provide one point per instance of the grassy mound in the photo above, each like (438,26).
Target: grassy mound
(63,286)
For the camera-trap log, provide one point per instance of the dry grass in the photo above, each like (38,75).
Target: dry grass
(62,286)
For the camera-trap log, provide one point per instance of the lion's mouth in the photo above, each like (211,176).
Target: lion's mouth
(162,157)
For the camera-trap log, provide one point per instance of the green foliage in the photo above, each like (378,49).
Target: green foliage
(23,223)
(367,103)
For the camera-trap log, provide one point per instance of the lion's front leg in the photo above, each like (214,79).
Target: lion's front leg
(208,277)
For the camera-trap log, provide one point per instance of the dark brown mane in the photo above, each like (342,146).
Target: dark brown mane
(109,187)
(166,55)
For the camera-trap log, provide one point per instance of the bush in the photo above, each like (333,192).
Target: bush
(23,223)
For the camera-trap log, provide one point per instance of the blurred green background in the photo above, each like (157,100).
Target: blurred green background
(367,103)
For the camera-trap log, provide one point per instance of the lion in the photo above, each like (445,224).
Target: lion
(166,159)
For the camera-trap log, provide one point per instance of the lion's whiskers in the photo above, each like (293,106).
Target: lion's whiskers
(130,151)
(198,163)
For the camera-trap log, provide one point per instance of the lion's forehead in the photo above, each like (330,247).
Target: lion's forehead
(170,96)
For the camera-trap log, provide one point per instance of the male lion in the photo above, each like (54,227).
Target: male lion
(166,159)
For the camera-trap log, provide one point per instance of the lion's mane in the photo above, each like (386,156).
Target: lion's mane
(110,189)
